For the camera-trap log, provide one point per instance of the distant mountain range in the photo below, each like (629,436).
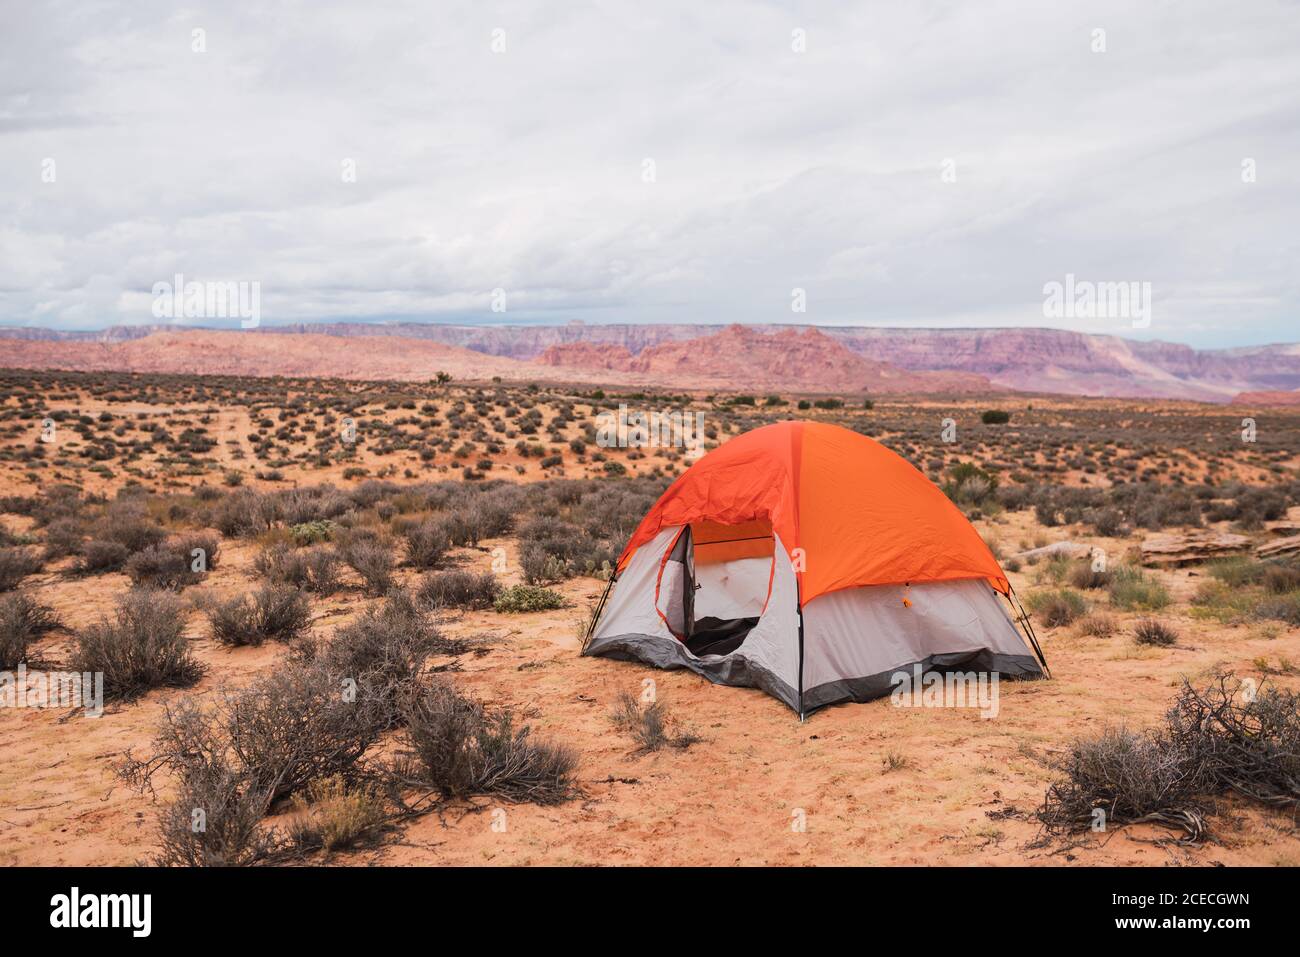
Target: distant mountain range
(830,359)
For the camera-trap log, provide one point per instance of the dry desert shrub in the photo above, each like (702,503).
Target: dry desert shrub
(1225,737)
(16,564)
(650,725)
(384,652)
(22,621)
(215,818)
(427,543)
(271,740)
(371,492)
(312,505)
(99,556)
(459,747)
(63,537)
(1249,508)
(127,522)
(141,647)
(1131,777)
(273,613)
(1280,608)
(455,528)
(459,589)
(331,815)
(491,513)
(244,513)
(296,725)
(1107,522)
(1097,625)
(314,568)
(1152,631)
(1143,504)
(176,562)
(971,486)
(551,550)
(1086,577)
(370,555)
(1279,579)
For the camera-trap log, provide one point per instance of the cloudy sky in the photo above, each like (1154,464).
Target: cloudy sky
(922,163)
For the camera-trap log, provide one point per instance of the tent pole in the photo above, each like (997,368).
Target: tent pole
(595,615)
(1028,627)
(799,592)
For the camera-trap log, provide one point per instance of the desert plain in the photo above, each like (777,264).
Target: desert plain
(268,466)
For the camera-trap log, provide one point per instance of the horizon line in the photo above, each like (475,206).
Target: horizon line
(233,326)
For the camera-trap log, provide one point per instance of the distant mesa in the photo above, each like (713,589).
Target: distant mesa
(1267,398)
(689,356)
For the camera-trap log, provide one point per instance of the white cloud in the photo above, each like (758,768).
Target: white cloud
(774,169)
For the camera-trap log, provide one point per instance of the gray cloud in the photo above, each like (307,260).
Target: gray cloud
(522,170)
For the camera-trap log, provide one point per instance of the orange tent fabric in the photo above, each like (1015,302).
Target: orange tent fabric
(848,510)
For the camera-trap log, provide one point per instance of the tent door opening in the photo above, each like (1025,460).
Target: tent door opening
(715,584)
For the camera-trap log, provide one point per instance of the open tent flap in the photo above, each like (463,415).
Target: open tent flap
(714,584)
(733,571)
(676,591)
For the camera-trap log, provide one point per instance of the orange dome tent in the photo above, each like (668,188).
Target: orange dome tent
(812,562)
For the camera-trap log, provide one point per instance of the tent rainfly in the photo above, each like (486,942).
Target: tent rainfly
(812,562)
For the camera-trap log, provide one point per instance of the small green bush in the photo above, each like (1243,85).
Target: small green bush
(1237,570)
(1057,607)
(1281,608)
(526,598)
(312,533)
(1132,589)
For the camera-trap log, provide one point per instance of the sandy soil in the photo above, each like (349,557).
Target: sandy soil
(965,795)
